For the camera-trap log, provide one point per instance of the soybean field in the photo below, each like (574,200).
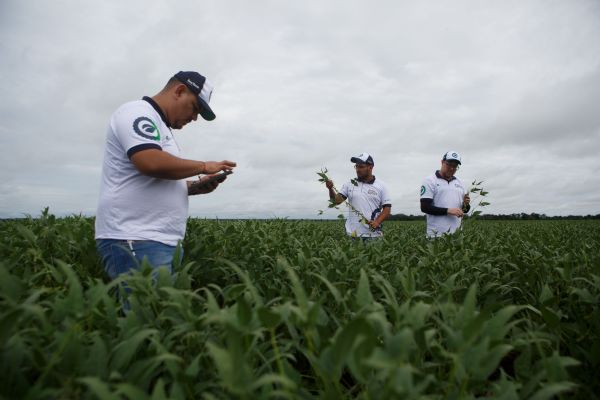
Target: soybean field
(282,309)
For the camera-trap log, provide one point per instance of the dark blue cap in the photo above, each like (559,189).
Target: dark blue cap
(200,86)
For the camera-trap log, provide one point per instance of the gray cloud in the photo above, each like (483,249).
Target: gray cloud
(511,85)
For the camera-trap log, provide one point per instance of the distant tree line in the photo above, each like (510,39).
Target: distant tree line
(514,216)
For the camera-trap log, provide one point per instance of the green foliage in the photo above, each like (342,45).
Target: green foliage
(477,200)
(293,309)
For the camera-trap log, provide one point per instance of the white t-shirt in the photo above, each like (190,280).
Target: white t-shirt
(133,206)
(445,195)
(369,199)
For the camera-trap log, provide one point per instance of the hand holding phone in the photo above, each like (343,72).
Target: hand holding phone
(220,177)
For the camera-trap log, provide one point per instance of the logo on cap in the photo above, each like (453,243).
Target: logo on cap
(191,82)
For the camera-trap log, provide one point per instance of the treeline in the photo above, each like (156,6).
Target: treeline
(515,216)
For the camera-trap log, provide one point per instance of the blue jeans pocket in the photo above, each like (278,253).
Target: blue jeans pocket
(121,256)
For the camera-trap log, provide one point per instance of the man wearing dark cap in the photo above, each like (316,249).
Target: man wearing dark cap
(444,198)
(368,198)
(143,203)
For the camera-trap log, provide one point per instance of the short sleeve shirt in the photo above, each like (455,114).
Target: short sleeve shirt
(369,199)
(133,206)
(445,195)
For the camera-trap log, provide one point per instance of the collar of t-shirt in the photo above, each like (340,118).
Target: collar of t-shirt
(372,181)
(437,173)
(158,110)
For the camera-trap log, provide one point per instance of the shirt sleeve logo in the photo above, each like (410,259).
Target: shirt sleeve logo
(422,190)
(146,128)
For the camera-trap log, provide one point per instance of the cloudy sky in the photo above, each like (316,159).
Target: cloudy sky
(514,86)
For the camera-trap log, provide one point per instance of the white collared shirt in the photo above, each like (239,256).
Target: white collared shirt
(133,206)
(369,199)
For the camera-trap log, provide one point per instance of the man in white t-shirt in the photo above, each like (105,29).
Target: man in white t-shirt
(370,202)
(444,198)
(143,204)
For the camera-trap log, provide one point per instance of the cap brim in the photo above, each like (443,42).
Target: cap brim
(205,110)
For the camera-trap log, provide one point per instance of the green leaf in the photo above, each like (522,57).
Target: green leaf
(98,388)
(232,368)
(27,234)
(551,390)
(363,293)
(122,354)
(468,310)
(268,380)
(332,289)
(10,285)
(297,289)
(268,318)
(130,391)
(158,392)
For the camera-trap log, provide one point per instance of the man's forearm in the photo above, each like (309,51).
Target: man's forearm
(332,193)
(338,198)
(387,210)
(428,208)
(385,213)
(160,164)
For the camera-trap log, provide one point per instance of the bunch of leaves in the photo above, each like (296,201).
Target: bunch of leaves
(478,199)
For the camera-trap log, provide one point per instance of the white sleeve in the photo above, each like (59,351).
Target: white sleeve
(385,196)
(134,126)
(344,191)
(427,189)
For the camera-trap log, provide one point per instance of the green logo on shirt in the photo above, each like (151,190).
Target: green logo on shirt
(422,190)
(146,128)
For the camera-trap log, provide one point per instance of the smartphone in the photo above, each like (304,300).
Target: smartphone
(218,177)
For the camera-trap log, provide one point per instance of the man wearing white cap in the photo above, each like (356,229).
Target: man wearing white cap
(444,198)
(143,204)
(368,197)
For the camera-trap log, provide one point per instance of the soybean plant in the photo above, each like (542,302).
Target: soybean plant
(478,200)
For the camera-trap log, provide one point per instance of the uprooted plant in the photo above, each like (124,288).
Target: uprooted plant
(478,200)
(332,202)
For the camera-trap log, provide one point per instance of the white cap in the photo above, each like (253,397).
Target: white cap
(451,156)
(363,158)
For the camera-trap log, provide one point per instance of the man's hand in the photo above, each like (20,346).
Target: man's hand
(202,186)
(212,167)
(333,196)
(374,224)
(457,212)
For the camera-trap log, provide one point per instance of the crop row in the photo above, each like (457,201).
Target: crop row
(293,309)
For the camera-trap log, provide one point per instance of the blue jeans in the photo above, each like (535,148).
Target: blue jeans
(121,256)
